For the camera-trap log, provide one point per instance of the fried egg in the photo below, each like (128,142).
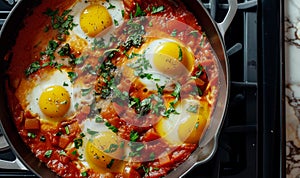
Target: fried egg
(51,95)
(96,18)
(102,150)
(187,126)
(168,60)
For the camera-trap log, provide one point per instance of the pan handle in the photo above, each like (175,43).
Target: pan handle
(223,26)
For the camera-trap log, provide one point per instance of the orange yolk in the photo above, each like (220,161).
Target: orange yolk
(55,101)
(94,19)
(172,59)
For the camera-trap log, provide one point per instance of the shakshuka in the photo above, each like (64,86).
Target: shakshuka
(111,88)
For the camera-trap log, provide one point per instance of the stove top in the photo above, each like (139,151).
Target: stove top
(252,137)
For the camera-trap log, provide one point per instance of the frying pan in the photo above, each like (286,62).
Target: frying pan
(207,146)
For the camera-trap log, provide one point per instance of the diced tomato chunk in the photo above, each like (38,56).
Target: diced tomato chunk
(164,160)
(130,172)
(150,135)
(73,153)
(32,124)
(63,141)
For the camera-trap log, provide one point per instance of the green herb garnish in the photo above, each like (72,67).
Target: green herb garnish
(110,164)
(111,127)
(157,9)
(92,132)
(134,136)
(180,53)
(138,11)
(48,153)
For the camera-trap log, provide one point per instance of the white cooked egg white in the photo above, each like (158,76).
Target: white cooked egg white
(47,80)
(96,19)
(53,97)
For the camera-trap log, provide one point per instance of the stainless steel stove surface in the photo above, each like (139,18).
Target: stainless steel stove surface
(251,141)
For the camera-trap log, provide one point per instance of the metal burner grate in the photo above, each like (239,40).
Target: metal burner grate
(237,148)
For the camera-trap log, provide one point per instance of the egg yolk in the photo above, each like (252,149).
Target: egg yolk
(54,101)
(104,153)
(94,19)
(173,59)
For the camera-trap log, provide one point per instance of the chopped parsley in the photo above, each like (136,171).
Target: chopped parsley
(194,33)
(135,31)
(35,66)
(73,76)
(86,91)
(157,9)
(76,106)
(65,50)
(42,138)
(62,153)
(160,89)
(91,132)
(176,94)
(116,22)
(138,11)
(174,33)
(203,37)
(111,6)
(110,164)
(67,130)
(123,13)
(152,156)
(65,84)
(84,174)
(180,53)
(50,49)
(48,153)
(62,23)
(146,75)
(200,68)
(141,107)
(111,127)
(31,135)
(193,108)
(140,65)
(78,142)
(134,136)
(196,125)
(99,119)
(136,148)
(98,44)
(112,148)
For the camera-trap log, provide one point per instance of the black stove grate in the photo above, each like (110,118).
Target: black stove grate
(236,155)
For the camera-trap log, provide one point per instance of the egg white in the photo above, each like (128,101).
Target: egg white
(45,80)
(54,77)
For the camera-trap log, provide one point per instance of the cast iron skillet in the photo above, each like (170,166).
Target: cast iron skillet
(207,146)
